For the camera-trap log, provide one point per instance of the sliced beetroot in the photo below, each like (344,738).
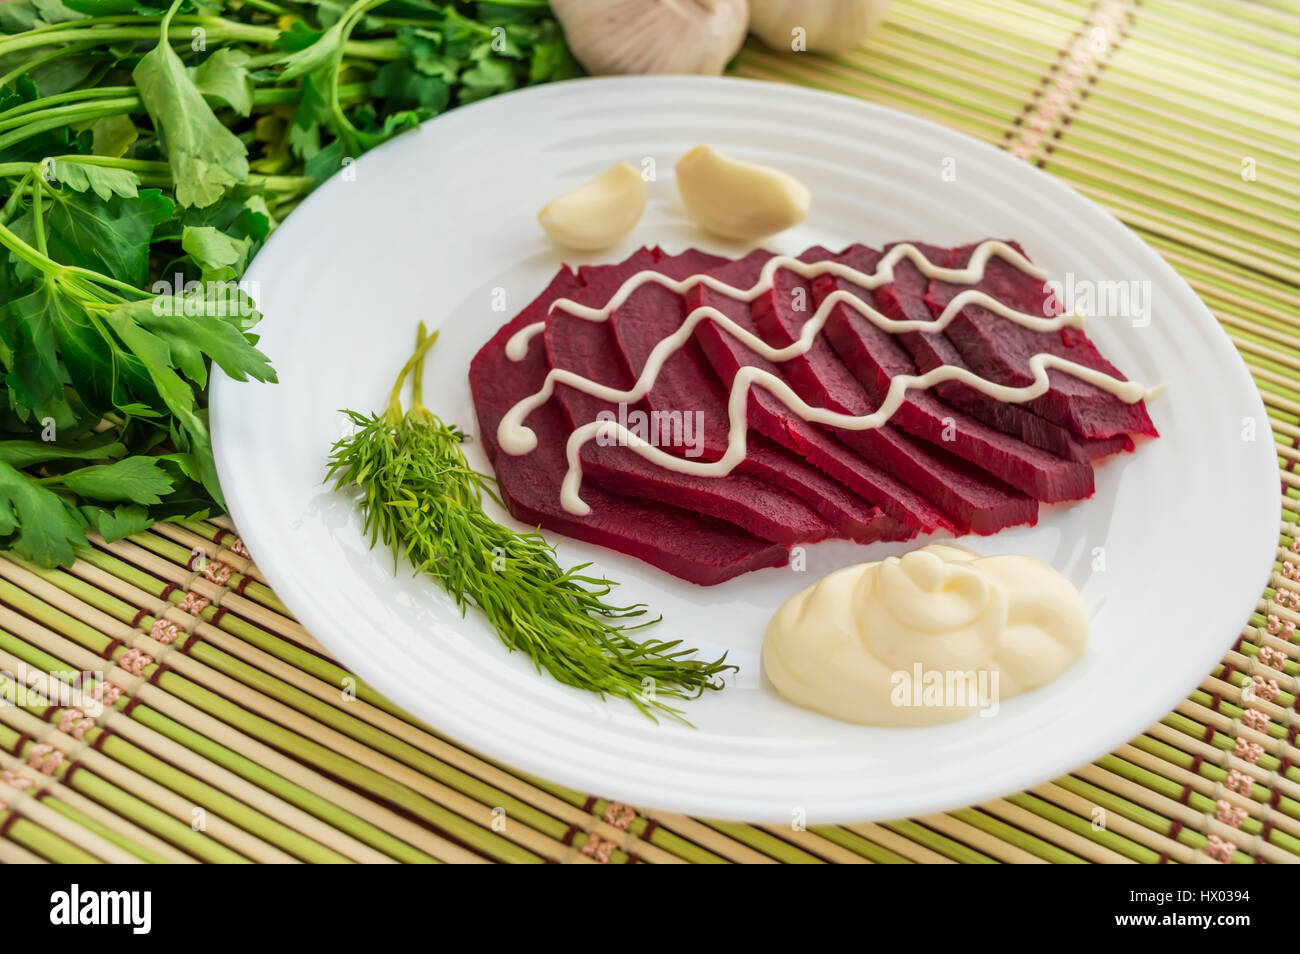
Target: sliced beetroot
(684,544)
(1098,448)
(876,356)
(770,417)
(903,299)
(999,350)
(799,482)
(849,512)
(588,348)
(972,499)
(687,391)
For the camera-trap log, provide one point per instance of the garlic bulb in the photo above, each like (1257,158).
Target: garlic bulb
(598,213)
(653,36)
(739,200)
(824,26)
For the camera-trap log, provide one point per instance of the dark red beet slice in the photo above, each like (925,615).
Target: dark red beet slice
(903,299)
(687,390)
(1098,448)
(875,357)
(770,417)
(849,512)
(588,348)
(974,500)
(999,350)
(684,544)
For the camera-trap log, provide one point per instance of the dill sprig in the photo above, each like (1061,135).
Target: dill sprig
(420,496)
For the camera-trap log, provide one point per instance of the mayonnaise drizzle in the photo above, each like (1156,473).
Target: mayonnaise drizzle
(516,439)
(517,346)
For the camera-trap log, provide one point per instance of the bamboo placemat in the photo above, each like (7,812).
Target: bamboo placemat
(233,736)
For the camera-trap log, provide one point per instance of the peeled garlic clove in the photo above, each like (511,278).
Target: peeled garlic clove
(598,213)
(653,36)
(739,200)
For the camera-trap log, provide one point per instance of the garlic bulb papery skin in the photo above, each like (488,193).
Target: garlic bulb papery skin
(653,36)
(823,26)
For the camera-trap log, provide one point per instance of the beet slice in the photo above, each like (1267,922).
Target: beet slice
(684,544)
(974,500)
(903,299)
(1098,448)
(687,390)
(850,513)
(588,348)
(999,350)
(875,357)
(767,415)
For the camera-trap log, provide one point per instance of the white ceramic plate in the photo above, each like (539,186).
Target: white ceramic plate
(438,224)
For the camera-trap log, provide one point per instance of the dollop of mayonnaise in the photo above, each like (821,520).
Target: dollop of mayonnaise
(929,637)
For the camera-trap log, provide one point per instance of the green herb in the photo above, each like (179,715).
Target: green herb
(420,497)
(146,153)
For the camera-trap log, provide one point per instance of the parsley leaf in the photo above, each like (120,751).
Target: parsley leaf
(117,522)
(135,480)
(27,328)
(104,181)
(206,158)
(223,76)
(215,250)
(126,173)
(36,522)
(18,453)
(105,235)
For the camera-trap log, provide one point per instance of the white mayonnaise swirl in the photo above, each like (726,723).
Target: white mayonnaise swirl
(927,638)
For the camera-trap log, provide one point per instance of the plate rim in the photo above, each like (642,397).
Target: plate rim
(517,754)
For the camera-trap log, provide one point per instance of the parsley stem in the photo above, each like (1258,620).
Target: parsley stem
(43,58)
(28,254)
(102,279)
(75,112)
(157,173)
(131,104)
(215,29)
(33,127)
(352,136)
(15,199)
(266,7)
(46,102)
(167,17)
(38,214)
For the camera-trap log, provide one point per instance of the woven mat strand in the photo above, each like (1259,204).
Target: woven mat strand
(233,736)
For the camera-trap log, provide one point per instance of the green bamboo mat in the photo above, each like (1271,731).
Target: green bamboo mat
(235,737)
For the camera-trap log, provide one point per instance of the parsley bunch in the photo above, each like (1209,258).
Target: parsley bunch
(145,156)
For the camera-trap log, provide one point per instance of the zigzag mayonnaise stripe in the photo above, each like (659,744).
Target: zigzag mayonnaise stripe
(517,439)
(517,346)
